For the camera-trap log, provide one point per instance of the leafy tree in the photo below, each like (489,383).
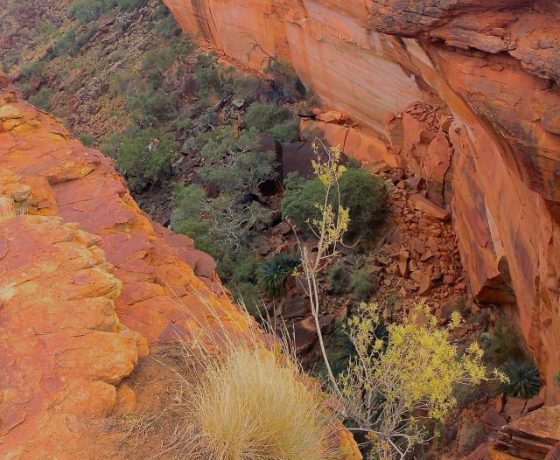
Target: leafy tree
(145,159)
(89,10)
(287,131)
(36,68)
(220,227)
(236,165)
(153,105)
(211,78)
(263,117)
(131,5)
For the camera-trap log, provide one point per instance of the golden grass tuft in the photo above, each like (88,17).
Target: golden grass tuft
(253,405)
(245,399)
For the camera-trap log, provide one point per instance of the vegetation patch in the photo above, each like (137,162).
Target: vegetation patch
(361,193)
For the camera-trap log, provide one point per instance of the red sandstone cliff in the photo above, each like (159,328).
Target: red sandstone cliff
(464,92)
(87,283)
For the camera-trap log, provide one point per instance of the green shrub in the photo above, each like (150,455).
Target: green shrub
(286,79)
(71,43)
(146,158)
(89,10)
(288,131)
(340,350)
(264,117)
(189,202)
(246,271)
(87,140)
(152,106)
(236,165)
(167,27)
(247,87)
(131,5)
(503,344)
(211,78)
(42,99)
(524,379)
(338,279)
(274,273)
(155,64)
(361,284)
(249,295)
(34,68)
(362,194)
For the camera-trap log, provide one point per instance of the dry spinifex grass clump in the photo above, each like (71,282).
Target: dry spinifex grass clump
(252,404)
(243,401)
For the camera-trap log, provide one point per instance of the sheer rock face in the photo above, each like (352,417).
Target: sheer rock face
(87,281)
(465,92)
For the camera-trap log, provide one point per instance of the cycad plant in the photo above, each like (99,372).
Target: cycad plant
(274,273)
(524,379)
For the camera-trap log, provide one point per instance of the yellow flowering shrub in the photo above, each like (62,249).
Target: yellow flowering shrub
(404,374)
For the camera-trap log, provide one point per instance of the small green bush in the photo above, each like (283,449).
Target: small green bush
(470,437)
(167,27)
(71,43)
(246,271)
(503,344)
(145,159)
(34,68)
(274,273)
(524,379)
(42,99)
(363,194)
(287,131)
(264,117)
(557,379)
(338,279)
(89,10)
(131,5)
(341,349)
(361,284)
(249,295)
(87,140)
(286,80)
(211,78)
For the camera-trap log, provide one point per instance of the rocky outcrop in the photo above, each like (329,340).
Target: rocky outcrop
(464,92)
(535,436)
(87,283)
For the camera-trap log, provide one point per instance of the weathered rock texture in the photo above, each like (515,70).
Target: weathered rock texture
(534,437)
(465,92)
(86,283)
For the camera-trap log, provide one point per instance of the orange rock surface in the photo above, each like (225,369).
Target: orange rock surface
(87,282)
(464,92)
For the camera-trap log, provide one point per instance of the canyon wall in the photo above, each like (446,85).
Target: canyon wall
(464,92)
